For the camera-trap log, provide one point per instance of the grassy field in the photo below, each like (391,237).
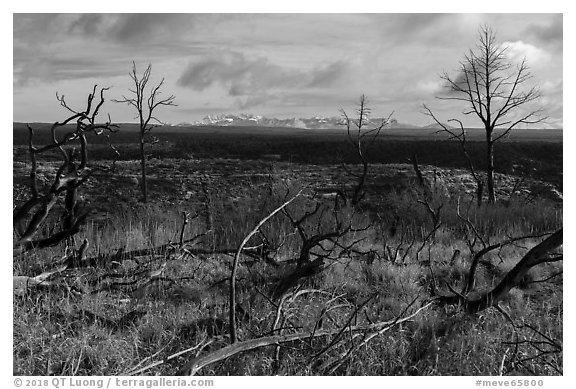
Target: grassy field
(142,301)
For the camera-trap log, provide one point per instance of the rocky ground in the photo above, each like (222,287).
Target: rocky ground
(195,181)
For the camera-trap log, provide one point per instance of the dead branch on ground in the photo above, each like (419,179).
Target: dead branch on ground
(544,252)
(193,366)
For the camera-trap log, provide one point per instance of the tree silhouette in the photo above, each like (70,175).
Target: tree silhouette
(494,90)
(145,104)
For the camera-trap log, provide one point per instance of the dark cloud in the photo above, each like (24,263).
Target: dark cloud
(139,28)
(145,28)
(133,29)
(87,24)
(60,65)
(51,70)
(552,33)
(329,75)
(257,81)
(244,76)
(446,89)
(239,74)
(52,48)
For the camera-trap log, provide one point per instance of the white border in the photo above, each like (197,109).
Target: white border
(451,6)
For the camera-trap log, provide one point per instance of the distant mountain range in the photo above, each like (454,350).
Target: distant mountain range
(314,123)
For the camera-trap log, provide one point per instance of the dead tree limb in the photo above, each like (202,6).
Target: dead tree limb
(461,138)
(138,370)
(232,314)
(539,254)
(338,361)
(192,367)
(323,234)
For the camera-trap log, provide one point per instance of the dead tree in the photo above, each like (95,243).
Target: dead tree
(419,176)
(324,234)
(362,332)
(324,238)
(494,92)
(397,253)
(461,138)
(362,135)
(145,102)
(32,214)
(544,252)
(232,314)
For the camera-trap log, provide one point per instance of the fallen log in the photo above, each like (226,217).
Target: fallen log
(193,366)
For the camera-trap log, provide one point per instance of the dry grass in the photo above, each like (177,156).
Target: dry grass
(50,338)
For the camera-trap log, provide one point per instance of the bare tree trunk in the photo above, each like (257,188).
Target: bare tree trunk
(359,190)
(143,167)
(70,198)
(490,167)
(418,172)
(479,192)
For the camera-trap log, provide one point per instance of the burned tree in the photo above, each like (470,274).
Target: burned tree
(145,102)
(544,252)
(494,92)
(323,233)
(232,316)
(30,217)
(362,134)
(460,136)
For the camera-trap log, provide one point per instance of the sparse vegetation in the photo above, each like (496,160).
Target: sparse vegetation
(145,300)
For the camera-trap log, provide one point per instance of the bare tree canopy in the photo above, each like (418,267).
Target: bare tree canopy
(362,134)
(145,102)
(495,90)
(31,216)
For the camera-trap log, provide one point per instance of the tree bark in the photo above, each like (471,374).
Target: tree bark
(534,257)
(490,166)
(143,168)
(541,253)
(359,190)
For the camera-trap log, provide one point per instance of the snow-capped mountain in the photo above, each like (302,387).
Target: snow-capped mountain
(316,122)
(247,120)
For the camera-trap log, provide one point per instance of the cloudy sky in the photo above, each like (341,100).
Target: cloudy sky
(276,65)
